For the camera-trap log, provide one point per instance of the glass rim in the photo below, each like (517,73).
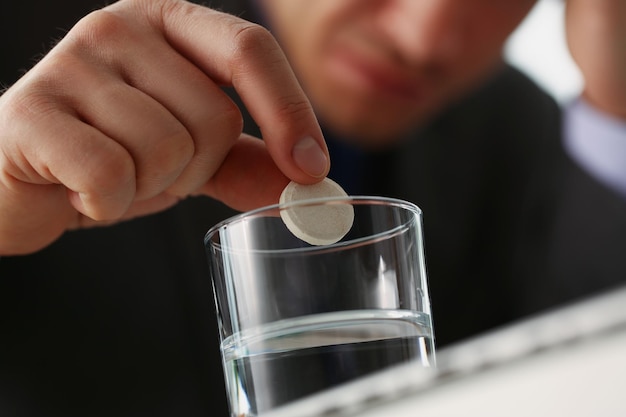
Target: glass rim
(354,200)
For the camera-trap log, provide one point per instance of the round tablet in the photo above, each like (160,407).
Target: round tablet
(321,224)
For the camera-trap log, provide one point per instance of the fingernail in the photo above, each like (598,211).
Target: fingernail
(310,157)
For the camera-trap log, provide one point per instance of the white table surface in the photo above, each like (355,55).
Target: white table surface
(569,362)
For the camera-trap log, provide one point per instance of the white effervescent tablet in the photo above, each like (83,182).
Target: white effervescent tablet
(321,224)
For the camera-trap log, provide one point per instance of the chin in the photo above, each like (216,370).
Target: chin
(368,134)
(373,128)
(369,119)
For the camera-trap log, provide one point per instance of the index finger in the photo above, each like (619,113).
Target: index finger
(238,53)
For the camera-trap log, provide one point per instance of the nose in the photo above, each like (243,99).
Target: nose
(424,31)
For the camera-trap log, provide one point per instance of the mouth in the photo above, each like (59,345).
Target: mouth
(377,77)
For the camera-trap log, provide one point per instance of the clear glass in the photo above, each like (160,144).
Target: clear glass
(295,319)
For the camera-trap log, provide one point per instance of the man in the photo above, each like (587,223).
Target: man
(126,117)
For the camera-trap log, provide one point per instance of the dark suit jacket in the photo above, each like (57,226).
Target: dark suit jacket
(120,320)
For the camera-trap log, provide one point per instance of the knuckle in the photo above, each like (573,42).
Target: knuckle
(251,34)
(293,108)
(60,72)
(46,90)
(27,105)
(163,163)
(108,172)
(100,31)
(180,9)
(252,40)
(108,180)
(178,151)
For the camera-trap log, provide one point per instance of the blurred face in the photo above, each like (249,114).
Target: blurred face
(374,69)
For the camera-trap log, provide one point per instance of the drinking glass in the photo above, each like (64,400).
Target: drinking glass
(295,319)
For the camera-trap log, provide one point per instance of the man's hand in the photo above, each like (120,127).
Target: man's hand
(596,33)
(125,116)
